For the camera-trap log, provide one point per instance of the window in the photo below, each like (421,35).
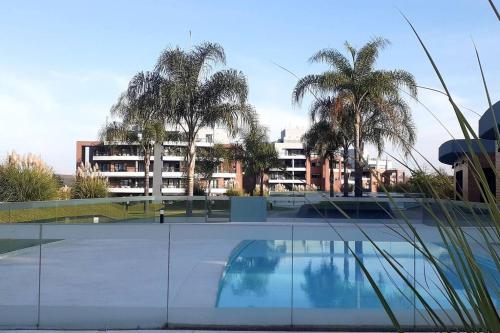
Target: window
(104,167)
(173,183)
(209,138)
(120,167)
(300,163)
(316,164)
(125,183)
(292,152)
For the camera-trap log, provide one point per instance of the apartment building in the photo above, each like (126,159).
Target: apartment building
(299,172)
(123,165)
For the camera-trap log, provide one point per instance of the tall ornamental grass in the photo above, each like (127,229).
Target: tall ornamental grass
(89,183)
(26,178)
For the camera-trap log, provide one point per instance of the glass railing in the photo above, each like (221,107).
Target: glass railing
(281,207)
(319,207)
(151,276)
(120,209)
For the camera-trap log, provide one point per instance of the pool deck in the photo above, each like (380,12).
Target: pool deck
(94,273)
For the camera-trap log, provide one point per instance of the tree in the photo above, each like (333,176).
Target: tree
(193,98)
(432,184)
(325,141)
(140,120)
(209,159)
(339,116)
(373,95)
(257,154)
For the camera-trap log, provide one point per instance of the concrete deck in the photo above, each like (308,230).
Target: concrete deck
(121,283)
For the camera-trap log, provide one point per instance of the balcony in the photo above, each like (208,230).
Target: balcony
(173,190)
(119,158)
(173,174)
(133,174)
(224,174)
(286,181)
(128,190)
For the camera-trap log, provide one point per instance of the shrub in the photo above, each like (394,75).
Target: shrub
(198,189)
(425,183)
(350,187)
(234,192)
(64,193)
(89,183)
(26,178)
(280,188)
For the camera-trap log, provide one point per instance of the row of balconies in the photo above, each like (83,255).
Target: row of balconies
(165,174)
(164,190)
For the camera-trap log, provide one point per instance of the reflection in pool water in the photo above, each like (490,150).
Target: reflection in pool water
(326,275)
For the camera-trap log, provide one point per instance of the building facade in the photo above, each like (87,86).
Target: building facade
(457,154)
(300,172)
(123,165)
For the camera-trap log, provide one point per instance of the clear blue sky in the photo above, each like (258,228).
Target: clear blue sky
(63,63)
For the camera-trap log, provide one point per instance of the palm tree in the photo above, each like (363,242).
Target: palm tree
(139,120)
(257,154)
(339,116)
(193,97)
(369,92)
(325,141)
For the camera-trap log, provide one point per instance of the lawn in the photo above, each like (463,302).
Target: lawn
(110,212)
(80,213)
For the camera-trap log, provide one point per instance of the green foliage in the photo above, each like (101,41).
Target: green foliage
(208,160)
(140,120)
(89,184)
(257,154)
(64,193)
(428,183)
(234,192)
(26,178)
(194,97)
(198,189)
(370,98)
(322,139)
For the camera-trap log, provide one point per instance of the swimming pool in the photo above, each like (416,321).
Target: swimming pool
(313,274)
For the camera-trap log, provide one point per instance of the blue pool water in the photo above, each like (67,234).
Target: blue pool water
(326,275)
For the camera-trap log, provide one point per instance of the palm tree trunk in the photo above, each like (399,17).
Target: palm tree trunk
(209,192)
(190,175)
(358,171)
(254,184)
(262,183)
(191,166)
(147,163)
(346,176)
(332,180)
